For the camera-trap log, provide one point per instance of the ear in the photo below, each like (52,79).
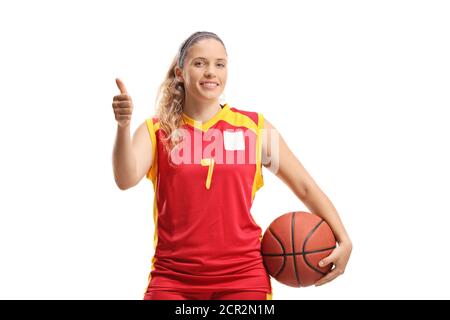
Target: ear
(179,74)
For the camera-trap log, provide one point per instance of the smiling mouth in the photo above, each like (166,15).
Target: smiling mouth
(209,84)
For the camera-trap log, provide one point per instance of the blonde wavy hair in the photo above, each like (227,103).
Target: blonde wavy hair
(171,93)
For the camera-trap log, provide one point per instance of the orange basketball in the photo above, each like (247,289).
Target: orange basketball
(293,245)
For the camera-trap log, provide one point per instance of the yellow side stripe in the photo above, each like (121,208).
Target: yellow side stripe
(152,175)
(258,180)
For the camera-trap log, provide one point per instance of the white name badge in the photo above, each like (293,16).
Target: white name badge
(234,140)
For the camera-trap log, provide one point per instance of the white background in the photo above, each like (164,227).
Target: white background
(358,89)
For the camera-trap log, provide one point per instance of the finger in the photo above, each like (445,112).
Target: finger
(329,277)
(121,86)
(123,111)
(121,104)
(327,260)
(121,97)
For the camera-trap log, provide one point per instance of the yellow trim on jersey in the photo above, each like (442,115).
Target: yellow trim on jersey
(258,181)
(236,119)
(208,124)
(240,120)
(152,175)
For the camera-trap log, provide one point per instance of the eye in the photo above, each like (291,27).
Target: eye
(198,63)
(221,65)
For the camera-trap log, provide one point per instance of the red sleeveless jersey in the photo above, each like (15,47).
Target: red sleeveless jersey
(205,236)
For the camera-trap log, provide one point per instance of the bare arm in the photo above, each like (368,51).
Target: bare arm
(294,175)
(132,159)
(288,168)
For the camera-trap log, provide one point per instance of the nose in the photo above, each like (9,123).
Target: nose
(209,73)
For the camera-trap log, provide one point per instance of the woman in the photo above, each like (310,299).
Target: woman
(205,162)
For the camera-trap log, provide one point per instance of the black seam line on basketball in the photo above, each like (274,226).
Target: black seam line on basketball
(304,246)
(298,253)
(284,252)
(293,248)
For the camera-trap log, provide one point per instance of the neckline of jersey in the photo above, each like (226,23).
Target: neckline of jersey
(209,123)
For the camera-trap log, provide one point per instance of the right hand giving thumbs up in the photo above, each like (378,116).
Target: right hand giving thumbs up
(122,105)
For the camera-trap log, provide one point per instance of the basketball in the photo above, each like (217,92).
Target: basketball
(293,245)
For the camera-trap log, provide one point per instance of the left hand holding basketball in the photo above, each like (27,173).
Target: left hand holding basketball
(339,257)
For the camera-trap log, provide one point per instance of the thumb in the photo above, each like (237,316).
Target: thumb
(121,86)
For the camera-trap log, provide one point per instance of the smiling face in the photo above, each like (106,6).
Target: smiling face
(205,70)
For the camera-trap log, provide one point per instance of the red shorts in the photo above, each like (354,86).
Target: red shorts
(218,295)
